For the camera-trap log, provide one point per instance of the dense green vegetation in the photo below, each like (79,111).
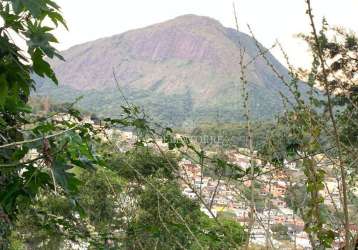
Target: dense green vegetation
(230,135)
(170,110)
(23,176)
(122,210)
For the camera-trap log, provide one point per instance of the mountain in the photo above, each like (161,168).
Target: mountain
(183,70)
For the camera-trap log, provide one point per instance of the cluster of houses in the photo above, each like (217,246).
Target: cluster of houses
(224,197)
(219,197)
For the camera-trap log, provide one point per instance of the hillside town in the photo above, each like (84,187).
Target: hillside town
(274,221)
(222,197)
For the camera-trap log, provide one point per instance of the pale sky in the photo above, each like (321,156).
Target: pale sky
(270,19)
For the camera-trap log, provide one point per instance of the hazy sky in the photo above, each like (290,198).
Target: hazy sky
(270,19)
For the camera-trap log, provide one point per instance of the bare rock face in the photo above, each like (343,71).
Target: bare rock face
(189,55)
(141,56)
(183,38)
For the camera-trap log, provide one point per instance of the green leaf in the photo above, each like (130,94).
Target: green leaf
(19,153)
(84,162)
(17,6)
(57,18)
(9,195)
(53,4)
(34,6)
(41,67)
(36,179)
(67,180)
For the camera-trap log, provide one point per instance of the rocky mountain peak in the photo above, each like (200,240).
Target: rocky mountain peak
(191,57)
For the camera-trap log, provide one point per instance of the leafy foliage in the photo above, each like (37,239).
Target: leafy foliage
(37,154)
(318,127)
(124,212)
(143,162)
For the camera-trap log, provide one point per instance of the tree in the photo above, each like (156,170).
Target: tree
(36,154)
(123,212)
(144,162)
(229,234)
(166,219)
(280,232)
(318,125)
